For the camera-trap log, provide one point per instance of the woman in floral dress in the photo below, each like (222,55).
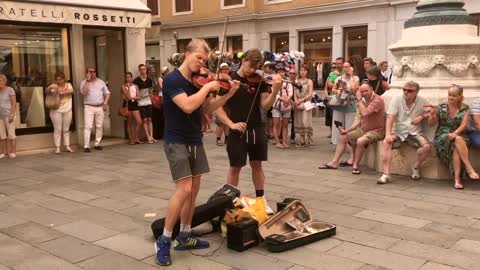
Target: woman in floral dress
(450,141)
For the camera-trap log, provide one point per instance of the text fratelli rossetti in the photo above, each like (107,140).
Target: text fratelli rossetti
(55,15)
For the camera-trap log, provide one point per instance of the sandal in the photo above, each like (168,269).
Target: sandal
(356,171)
(345,164)
(280,146)
(473,175)
(327,167)
(458,185)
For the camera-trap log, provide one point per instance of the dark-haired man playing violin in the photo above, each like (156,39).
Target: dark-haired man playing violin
(247,136)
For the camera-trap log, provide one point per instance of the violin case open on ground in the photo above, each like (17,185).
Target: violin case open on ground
(293,227)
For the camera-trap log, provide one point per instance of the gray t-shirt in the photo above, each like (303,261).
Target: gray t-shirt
(402,126)
(474,110)
(5,105)
(97,93)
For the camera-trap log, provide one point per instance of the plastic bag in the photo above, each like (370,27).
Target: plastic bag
(255,207)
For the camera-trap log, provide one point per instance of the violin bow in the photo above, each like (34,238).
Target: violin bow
(222,47)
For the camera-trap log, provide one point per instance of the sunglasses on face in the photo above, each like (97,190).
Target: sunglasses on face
(92,71)
(409,90)
(459,87)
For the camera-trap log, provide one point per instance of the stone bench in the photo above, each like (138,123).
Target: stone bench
(404,157)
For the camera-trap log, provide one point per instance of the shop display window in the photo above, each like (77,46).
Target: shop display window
(29,57)
(279,42)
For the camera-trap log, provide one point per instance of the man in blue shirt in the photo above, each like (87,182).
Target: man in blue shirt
(184,147)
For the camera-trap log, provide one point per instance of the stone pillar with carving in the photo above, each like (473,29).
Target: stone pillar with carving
(439,47)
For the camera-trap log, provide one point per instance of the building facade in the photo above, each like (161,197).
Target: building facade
(40,37)
(322,29)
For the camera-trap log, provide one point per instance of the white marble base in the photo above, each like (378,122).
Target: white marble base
(404,158)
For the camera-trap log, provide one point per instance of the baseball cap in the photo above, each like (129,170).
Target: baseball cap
(222,65)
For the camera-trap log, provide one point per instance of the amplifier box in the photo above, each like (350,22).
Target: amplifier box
(242,235)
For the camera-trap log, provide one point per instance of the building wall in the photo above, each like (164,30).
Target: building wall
(384,18)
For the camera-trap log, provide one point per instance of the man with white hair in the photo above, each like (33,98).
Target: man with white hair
(404,118)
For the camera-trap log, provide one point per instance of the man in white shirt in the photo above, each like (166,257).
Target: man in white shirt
(95,99)
(404,119)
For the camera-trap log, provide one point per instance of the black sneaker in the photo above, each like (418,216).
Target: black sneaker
(98,147)
(86,150)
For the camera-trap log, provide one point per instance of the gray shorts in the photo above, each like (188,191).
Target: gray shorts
(186,160)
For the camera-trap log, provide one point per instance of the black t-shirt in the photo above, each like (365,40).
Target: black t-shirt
(239,105)
(373,84)
(148,83)
(363,77)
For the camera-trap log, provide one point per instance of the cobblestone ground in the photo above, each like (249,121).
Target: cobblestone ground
(93,211)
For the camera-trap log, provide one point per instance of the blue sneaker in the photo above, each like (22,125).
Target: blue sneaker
(185,243)
(162,247)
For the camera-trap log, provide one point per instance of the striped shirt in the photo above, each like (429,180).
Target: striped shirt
(374,119)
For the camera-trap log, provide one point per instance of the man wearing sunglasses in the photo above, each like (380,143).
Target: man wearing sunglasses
(404,119)
(95,98)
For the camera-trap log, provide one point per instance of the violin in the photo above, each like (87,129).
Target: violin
(204,77)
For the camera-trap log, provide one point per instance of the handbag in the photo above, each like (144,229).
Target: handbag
(123,112)
(53,101)
(157,101)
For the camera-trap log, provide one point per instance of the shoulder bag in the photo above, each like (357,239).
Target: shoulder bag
(52,101)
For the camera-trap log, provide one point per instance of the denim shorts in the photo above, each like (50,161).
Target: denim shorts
(281,114)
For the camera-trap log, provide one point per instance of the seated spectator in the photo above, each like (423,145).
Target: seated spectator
(368,127)
(451,142)
(404,119)
(474,124)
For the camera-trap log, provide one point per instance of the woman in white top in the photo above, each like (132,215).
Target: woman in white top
(61,117)
(131,95)
(7,118)
(281,111)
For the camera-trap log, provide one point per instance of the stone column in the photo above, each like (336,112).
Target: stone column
(78,74)
(372,42)
(337,42)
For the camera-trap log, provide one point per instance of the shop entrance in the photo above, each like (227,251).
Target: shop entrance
(104,49)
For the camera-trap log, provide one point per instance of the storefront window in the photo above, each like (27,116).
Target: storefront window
(234,44)
(317,45)
(30,56)
(355,40)
(182,44)
(212,43)
(279,42)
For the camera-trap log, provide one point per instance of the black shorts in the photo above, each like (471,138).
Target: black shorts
(145,111)
(132,105)
(269,113)
(253,143)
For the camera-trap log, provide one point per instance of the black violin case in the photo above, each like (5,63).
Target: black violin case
(216,206)
(293,227)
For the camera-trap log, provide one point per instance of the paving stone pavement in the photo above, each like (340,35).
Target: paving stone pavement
(93,211)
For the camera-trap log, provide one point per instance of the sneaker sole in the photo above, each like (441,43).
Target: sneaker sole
(156,260)
(188,248)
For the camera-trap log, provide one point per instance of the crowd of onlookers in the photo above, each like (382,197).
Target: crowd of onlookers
(360,118)
(355,112)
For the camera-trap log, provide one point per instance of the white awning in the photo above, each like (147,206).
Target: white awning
(116,13)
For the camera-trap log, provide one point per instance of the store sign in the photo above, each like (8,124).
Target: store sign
(29,12)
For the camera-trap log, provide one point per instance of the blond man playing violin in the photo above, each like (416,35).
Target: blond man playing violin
(247,136)
(184,147)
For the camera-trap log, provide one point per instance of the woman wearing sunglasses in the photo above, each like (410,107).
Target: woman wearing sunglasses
(451,142)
